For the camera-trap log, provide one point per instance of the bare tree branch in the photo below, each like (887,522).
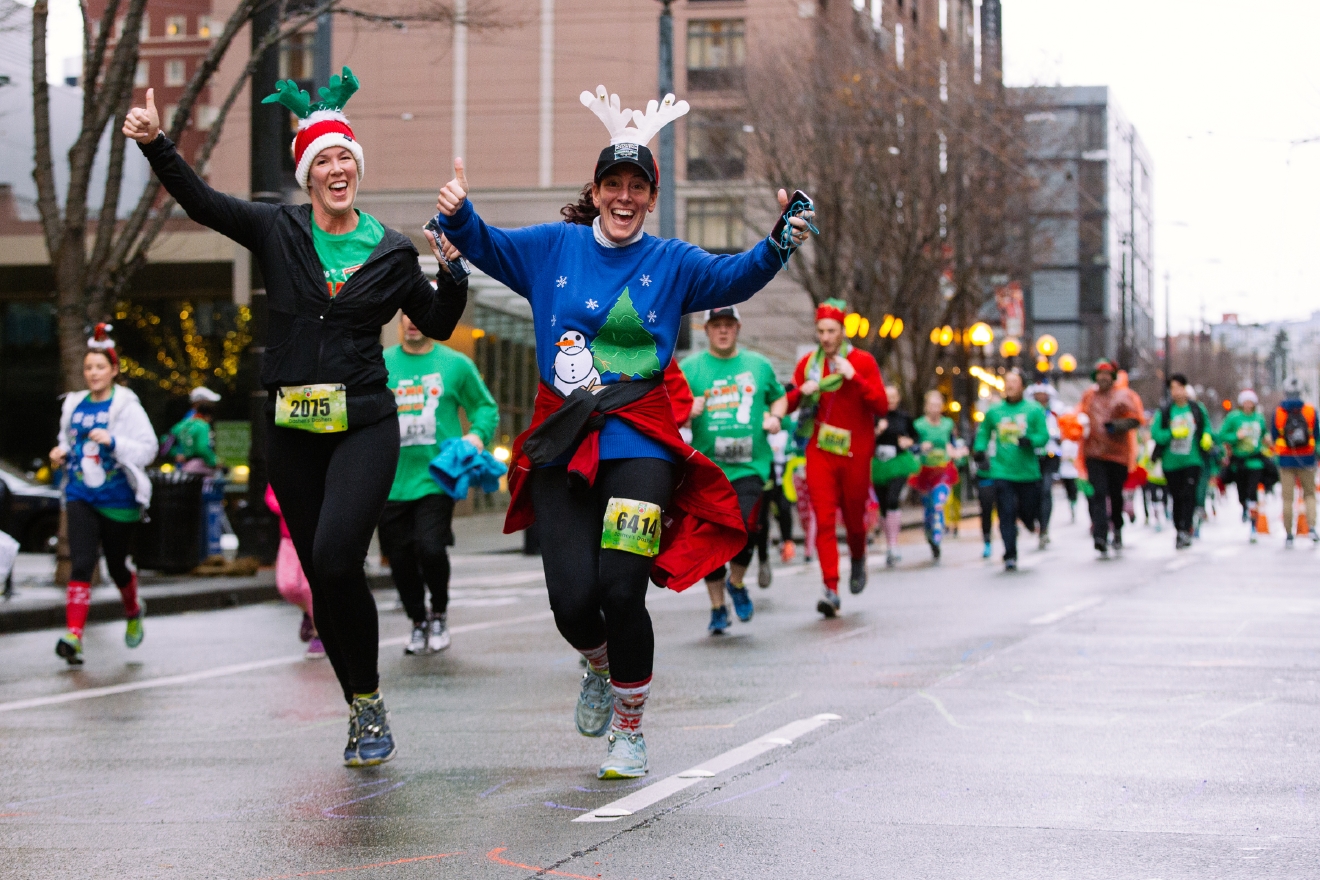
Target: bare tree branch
(43,171)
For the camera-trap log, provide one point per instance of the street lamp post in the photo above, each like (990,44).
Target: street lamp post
(668,222)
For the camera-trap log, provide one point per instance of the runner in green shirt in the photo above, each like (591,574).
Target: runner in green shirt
(1181,431)
(431,383)
(1244,432)
(737,403)
(1017,428)
(937,451)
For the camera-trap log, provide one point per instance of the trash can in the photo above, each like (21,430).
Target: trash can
(214,522)
(169,539)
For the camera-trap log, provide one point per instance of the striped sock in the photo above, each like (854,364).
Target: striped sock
(893,525)
(598,658)
(79,602)
(629,700)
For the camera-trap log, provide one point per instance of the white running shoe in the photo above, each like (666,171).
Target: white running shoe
(438,638)
(417,641)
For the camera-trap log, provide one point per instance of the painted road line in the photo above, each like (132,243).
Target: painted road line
(1179,564)
(235,669)
(1065,611)
(508,579)
(671,785)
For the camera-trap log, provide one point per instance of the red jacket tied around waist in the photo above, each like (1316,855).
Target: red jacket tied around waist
(702,527)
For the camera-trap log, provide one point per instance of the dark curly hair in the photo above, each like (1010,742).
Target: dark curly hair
(584,212)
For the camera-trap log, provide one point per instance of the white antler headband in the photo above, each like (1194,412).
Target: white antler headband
(646,125)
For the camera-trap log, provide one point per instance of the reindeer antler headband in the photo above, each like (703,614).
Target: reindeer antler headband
(646,125)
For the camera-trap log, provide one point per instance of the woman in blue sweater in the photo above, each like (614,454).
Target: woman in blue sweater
(607,302)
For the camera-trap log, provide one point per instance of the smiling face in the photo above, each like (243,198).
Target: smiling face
(624,197)
(332,182)
(98,372)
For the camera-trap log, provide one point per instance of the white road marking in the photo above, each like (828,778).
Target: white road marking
(1237,711)
(1065,611)
(507,579)
(671,785)
(235,669)
(948,716)
(1179,564)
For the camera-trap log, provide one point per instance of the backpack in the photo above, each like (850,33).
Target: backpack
(1296,431)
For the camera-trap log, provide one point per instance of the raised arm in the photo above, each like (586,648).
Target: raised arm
(238,219)
(435,311)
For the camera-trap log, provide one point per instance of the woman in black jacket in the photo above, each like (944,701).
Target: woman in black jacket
(333,277)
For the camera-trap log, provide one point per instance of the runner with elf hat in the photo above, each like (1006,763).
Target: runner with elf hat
(603,460)
(838,396)
(334,275)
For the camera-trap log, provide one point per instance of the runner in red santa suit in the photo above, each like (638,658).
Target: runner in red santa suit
(839,395)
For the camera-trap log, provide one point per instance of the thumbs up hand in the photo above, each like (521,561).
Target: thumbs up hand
(143,123)
(454,193)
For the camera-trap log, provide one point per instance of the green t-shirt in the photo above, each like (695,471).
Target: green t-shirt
(939,436)
(1244,435)
(738,392)
(429,389)
(1005,424)
(193,436)
(1181,448)
(342,255)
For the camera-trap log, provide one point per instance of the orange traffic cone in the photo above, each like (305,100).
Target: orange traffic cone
(1262,521)
(1302,527)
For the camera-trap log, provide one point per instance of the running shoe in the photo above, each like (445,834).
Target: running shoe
(315,648)
(857,578)
(787,552)
(133,632)
(438,637)
(1117,543)
(1010,565)
(70,648)
(369,739)
(1044,540)
(742,603)
(719,620)
(1288,542)
(626,758)
(417,641)
(1315,537)
(764,574)
(934,553)
(986,551)
(829,603)
(307,628)
(892,559)
(595,705)
(1102,547)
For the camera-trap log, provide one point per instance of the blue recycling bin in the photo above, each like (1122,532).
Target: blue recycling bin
(213,515)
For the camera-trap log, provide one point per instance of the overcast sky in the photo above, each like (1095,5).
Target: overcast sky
(1223,94)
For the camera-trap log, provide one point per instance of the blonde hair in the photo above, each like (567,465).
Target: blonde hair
(933,394)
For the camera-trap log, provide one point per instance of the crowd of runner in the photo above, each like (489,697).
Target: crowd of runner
(652,470)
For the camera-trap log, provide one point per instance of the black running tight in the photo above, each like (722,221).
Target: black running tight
(332,489)
(598,595)
(91,533)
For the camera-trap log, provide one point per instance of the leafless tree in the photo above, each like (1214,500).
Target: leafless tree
(94,257)
(919,178)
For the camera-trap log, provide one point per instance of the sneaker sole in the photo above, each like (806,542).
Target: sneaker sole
(827,608)
(614,773)
(370,762)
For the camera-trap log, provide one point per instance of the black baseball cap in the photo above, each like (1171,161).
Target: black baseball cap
(628,154)
(723,312)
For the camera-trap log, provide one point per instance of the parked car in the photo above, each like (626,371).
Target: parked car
(30,512)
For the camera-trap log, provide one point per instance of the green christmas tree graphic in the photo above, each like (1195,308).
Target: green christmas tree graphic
(623,344)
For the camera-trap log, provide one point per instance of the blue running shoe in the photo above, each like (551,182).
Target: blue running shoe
(719,620)
(985,551)
(742,602)
(626,758)
(595,705)
(369,739)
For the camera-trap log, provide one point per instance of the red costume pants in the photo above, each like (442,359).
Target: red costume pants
(838,484)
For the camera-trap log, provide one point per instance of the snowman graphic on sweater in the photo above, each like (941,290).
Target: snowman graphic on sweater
(622,347)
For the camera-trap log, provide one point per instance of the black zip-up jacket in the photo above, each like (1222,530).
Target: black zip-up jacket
(314,338)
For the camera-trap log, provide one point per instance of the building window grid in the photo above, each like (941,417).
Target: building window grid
(176,72)
(715,225)
(716,53)
(714,146)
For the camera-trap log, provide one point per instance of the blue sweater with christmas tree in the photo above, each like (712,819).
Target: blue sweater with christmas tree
(603,313)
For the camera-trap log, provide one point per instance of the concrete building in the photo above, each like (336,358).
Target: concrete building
(1272,351)
(1091,239)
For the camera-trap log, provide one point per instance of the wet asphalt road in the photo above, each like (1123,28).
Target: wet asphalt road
(1156,716)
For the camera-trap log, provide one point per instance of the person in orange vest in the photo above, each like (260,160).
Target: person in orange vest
(838,395)
(1294,430)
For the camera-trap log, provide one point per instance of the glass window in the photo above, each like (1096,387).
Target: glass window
(144,33)
(296,56)
(176,72)
(716,53)
(898,43)
(203,25)
(715,225)
(944,15)
(176,26)
(714,146)
(877,13)
(142,75)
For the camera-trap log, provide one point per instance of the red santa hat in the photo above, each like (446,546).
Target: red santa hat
(321,125)
(101,341)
